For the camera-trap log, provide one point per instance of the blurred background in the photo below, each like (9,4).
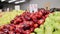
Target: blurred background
(24,4)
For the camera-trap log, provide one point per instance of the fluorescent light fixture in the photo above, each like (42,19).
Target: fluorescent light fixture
(11,1)
(2,0)
(19,1)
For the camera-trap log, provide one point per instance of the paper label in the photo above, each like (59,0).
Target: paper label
(17,7)
(33,7)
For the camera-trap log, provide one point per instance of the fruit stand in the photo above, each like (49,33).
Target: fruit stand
(23,22)
(29,17)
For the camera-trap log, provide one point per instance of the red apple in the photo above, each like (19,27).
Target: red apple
(41,21)
(32,29)
(46,16)
(27,32)
(35,25)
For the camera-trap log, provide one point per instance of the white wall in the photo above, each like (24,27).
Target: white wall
(53,3)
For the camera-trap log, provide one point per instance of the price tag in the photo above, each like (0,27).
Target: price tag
(0,10)
(17,7)
(7,9)
(30,8)
(33,7)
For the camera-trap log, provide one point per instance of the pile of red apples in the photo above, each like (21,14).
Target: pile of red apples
(25,23)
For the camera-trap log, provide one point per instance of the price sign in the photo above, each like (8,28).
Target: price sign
(7,9)
(33,7)
(30,8)
(17,7)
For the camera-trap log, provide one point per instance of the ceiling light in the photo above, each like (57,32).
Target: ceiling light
(11,1)
(19,1)
(2,0)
